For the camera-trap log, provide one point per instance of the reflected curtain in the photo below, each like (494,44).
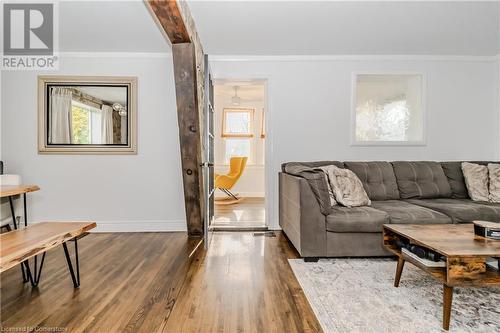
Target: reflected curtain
(60,116)
(107,124)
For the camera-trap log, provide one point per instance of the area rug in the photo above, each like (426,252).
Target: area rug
(357,295)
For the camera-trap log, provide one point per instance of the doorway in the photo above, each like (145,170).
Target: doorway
(240,135)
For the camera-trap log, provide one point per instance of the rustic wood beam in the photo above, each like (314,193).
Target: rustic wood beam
(168,16)
(175,20)
(189,134)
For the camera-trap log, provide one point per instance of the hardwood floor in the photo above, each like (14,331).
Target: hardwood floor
(146,282)
(249,213)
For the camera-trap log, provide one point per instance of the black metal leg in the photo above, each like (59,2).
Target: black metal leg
(231,195)
(75,279)
(34,277)
(25,211)
(28,272)
(25,278)
(77,262)
(12,213)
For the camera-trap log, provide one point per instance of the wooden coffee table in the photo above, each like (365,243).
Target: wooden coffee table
(464,252)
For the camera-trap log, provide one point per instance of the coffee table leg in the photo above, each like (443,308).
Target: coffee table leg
(447,299)
(399,270)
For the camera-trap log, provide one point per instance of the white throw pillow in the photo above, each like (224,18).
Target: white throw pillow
(476,180)
(494,175)
(347,187)
(333,202)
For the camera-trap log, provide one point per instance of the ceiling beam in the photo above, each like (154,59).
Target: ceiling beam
(167,15)
(176,22)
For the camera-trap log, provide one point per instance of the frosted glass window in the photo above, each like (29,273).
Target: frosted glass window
(237,123)
(238,148)
(388,109)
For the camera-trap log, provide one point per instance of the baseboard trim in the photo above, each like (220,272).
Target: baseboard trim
(139,226)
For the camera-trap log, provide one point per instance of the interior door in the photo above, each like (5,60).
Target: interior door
(208,154)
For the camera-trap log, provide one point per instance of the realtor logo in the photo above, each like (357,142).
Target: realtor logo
(29,36)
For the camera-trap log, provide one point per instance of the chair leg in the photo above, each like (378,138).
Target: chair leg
(231,195)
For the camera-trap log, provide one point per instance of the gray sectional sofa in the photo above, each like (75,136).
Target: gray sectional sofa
(401,193)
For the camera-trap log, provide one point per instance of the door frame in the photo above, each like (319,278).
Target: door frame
(271,187)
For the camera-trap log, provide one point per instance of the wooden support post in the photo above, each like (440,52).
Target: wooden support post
(189,134)
(176,22)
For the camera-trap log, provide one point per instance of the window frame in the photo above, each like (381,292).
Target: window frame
(249,135)
(415,143)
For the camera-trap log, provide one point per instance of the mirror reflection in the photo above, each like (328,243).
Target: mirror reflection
(87,114)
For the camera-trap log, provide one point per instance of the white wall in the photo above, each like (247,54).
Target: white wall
(252,182)
(309,107)
(122,193)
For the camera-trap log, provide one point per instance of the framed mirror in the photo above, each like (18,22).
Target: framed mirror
(87,115)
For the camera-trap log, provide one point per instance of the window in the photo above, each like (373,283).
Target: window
(388,109)
(238,147)
(237,123)
(85,124)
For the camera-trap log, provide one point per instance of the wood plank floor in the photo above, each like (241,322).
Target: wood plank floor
(249,213)
(146,282)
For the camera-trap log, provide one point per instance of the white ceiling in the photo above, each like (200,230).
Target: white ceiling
(246,91)
(349,28)
(108,26)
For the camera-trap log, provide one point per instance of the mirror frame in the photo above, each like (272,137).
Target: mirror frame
(130,82)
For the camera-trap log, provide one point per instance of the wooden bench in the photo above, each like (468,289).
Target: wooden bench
(18,246)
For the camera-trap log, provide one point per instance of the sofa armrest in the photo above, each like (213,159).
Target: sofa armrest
(300,216)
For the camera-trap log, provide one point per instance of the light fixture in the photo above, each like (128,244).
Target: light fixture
(236,100)
(122,111)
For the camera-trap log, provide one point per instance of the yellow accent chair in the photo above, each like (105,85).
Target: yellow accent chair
(227,181)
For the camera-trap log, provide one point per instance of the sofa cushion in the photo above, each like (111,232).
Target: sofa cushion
(285,166)
(356,219)
(462,210)
(421,180)
(378,179)
(453,171)
(402,212)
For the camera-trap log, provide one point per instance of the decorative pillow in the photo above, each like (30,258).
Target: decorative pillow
(333,202)
(494,175)
(347,187)
(476,180)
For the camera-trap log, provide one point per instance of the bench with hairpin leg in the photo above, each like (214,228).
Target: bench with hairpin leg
(20,245)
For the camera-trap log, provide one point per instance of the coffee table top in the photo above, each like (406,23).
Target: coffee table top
(448,239)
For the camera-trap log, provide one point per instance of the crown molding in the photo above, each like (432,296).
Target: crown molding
(298,58)
(115,55)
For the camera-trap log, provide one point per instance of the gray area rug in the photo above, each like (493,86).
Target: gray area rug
(357,295)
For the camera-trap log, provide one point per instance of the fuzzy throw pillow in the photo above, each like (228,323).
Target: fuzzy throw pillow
(494,175)
(476,180)
(346,187)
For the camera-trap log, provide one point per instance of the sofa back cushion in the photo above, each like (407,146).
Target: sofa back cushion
(455,175)
(285,166)
(423,180)
(378,179)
